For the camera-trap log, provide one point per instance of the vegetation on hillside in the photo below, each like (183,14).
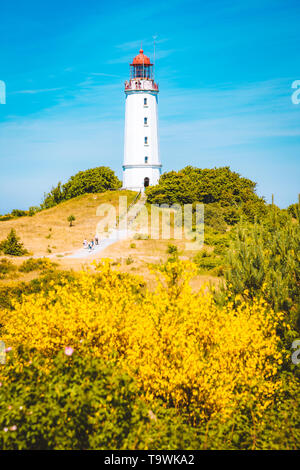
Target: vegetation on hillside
(95,180)
(107,354)
(96,360)
(12,245)
(264,262)
(234,194)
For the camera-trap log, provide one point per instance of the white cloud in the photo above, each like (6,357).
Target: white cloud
(34,91)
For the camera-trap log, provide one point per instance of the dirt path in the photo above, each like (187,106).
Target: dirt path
(115,234)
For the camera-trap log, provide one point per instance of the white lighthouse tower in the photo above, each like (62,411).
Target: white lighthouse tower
(141,166)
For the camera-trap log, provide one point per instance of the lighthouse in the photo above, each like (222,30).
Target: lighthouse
(141,166)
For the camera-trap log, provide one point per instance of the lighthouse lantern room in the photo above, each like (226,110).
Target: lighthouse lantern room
(141,166)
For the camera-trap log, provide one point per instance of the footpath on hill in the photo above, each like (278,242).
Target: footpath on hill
(115,234)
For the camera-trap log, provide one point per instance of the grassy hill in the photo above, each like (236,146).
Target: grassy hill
(48,231)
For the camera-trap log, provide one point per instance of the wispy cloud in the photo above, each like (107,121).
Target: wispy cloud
(144,43)
(101,74)
(35,91)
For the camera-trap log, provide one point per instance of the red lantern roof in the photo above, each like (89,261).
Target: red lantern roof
(141,59)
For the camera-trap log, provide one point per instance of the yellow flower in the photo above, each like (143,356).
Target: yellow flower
(177,344)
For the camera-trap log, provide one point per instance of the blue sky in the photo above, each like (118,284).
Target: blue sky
(225,71)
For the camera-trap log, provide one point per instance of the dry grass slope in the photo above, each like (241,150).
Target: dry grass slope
(50,230)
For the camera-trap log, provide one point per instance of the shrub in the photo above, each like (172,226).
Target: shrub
(18,213)
(207,261)
(36,264)
(214,217)
(156,336)
(95,180)
(294,210)
(6,217)
(6,267)
(217,185)
(33,210)
(264,262)
(9,294)
(12,246)
(77,402)
(71,219)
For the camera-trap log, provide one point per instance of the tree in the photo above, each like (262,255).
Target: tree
(94,180)
(12,246)
(216,185)
(264,261)
(71,219)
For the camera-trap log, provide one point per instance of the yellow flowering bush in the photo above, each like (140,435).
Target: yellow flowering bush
(205,360)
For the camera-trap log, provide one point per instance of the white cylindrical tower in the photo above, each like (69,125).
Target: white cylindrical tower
(141,166)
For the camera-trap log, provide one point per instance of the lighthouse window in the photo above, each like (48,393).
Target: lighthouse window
(146,159)
(146,140)
(145,101)
(145,121)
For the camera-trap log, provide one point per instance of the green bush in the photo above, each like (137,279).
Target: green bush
(95,180)
(12,246)
(33,210)
(209,262)
(172,249)
(294,210)
(6,217)
(214,217)
(36,264)
(71,219)
(235,194)
(264,262)
(18,213)
(6,267)
(43,283)
(80,403)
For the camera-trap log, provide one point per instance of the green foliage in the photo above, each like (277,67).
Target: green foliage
(294,210)
(12,246)
(71,219)
(95,180)
(36,264)
(6,217)
(33,210)
(214,217)
(209,262)
(18,213)
(235,194)
(220,241)
(278,428)
(6,267)
(264,262)
(172,249)
(43,283)
(79,402)
(212,258)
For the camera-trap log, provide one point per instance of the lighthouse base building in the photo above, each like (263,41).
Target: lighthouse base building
(141,166)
